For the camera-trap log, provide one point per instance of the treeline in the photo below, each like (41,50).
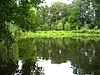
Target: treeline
(78,15)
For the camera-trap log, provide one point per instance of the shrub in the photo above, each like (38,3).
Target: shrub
(67,26)
(84,29)
(59,26)
(53,26)
(45,27)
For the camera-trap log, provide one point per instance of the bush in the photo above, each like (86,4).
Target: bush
(45,27)
(67,26)
(59,26)
(96,27)
(53,26)
(84,29)
(39,28)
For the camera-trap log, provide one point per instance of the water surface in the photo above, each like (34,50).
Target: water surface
(52,56)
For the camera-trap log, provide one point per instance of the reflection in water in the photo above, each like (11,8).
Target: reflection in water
(20,65)
(55,69)
(8,58)
(28,68)
(19,70)
(7,68)
(44,56)
(83,54)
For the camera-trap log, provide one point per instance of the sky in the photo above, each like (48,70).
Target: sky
(48,2)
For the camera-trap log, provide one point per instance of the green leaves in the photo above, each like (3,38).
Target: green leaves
(22,16)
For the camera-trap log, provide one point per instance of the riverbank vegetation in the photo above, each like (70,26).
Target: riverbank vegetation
(61,34)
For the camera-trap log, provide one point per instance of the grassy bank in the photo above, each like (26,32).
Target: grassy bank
(60,34)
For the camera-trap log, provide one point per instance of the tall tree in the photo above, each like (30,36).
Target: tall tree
(97,12)
(16,14)
(89,12)
(59,11)
(74,16)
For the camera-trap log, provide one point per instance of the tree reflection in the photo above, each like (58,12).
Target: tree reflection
(28,53)
(83,54)
(8,59)
(7,68)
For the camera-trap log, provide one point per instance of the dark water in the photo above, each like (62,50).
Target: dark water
(51,56)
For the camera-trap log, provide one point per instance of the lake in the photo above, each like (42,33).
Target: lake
(51,56)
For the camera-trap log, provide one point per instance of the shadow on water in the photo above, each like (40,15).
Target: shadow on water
(82,55)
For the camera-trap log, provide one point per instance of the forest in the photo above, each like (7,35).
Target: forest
(28,15)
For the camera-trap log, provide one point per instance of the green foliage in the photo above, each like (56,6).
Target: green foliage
(96,27)
(15,51)
(51,15)
(53,27)
(27,49)
(59,26)
(45,27)
(29,21)
(87,10)
(43,11)
(67,26)
(73,18)
(77,14)
(84,29)
(74,22)
(12,28)
(8,54)
(11,14)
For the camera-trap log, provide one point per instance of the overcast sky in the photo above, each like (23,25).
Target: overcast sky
(48,2)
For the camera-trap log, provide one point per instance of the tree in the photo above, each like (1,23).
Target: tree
(10,12)
(44,14)
(89,12)
(73,18)
(59,11)
(52,15)
(97,12)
